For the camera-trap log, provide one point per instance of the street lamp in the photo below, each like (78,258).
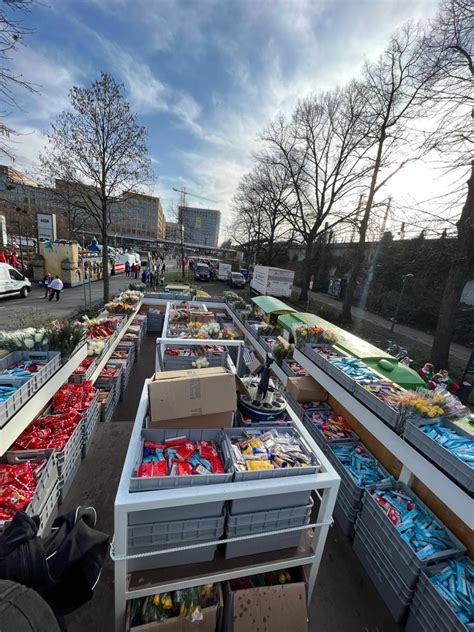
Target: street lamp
(405,277)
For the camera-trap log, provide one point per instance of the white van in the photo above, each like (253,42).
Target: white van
(13,282)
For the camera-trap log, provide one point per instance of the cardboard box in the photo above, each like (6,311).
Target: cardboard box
(271,609)
(306,389)
(210,618)
(218,420)
(180,395)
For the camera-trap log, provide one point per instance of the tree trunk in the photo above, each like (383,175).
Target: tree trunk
(459,273)
(105,256)
(346,314)
(307,272)
(457,277)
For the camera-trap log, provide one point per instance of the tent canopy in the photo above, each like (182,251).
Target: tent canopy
(272,305)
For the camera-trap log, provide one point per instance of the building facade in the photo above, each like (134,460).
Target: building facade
(173,231)
(201,225)
(139,216)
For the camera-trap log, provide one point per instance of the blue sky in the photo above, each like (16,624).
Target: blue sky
(204,76)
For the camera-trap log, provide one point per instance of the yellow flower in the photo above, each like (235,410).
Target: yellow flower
(304,333)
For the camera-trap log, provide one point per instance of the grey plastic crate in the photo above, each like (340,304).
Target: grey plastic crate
(396,595)
(274,501)
(254,546)
(17,399)
(90,421)
(387,414)
(285,365)
(48,476)
(345,513)
(69,461)
(319,437)
(401,555)
(139,484)
(187,512)
(444,459)
(275,473)
(429,601)
(175,532)
(107,407)
(351,489)
(49,511)
(417,622)
(260,521)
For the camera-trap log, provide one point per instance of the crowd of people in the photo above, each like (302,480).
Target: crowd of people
(152,274)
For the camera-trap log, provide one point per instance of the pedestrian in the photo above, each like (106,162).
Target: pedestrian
(127,268)
(144,276)
(46,281)
(3,259)
(162,275)
(56,286)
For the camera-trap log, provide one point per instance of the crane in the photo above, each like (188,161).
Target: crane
(184,193)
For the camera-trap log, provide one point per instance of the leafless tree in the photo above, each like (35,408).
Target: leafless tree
(261,203)
(394,92)
(322,151)
(12,33)
(449,50)
(99,150)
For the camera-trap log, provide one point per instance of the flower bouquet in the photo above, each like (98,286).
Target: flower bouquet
(420,404)
(313,334)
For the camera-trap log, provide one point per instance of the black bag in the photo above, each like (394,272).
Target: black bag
(63,566)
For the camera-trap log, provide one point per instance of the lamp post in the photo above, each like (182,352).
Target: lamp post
(405,278)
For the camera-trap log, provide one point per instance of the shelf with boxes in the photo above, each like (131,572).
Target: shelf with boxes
(414,463)
(54,429)
(166,525)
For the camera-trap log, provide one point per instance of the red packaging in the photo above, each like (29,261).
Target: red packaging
(182,469)
(184,452)
(5,514)
(23,477)
(152,445)
(156,468)
(216,465)
(14,499)
(207,449)
(176,441)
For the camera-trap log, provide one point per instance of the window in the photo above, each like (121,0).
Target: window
(15,276)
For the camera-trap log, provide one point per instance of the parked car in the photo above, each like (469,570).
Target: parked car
(13,282)
(202,272)
(236,279)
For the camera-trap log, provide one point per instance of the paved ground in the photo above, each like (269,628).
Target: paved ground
(70,302)
(344,599)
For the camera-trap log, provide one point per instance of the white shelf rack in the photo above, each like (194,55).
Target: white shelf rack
(104,358)
(145,582)
(414,463)
(36,404)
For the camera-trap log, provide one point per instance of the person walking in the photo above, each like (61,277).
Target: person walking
(46,281)
(56,286)
(127,268)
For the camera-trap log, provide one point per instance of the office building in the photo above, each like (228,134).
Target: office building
(201,225)
(138,216)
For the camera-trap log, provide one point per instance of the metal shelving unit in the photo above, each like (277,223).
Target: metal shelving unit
(36,404)
(140,583)
(107,355)
(414,463)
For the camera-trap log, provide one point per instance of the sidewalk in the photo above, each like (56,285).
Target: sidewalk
(458,351)
(70,302)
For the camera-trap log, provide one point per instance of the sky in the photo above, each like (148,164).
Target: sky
(203,76)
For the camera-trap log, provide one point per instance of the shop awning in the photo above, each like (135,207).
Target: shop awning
(272,305)
(398,373)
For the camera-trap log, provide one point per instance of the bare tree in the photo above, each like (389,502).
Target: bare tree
(448,50)
(322,152)
(99,150)
(12,33)
(261,203)
(394,91)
